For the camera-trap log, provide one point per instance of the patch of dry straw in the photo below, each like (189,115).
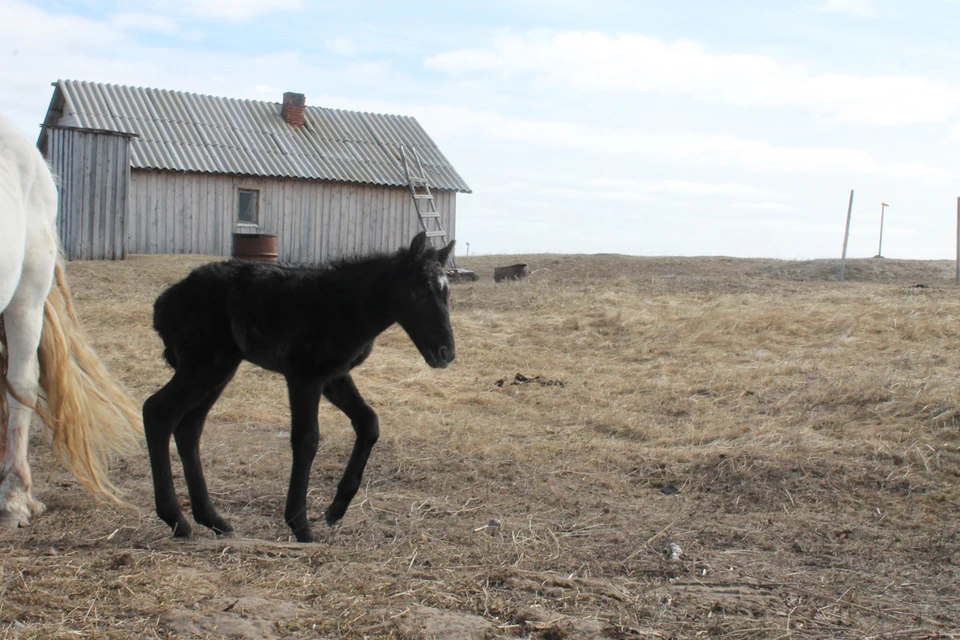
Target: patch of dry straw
(808,425)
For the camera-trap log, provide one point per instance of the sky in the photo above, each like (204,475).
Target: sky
(684,127)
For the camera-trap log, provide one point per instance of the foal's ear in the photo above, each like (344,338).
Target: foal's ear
(419,245)
(444,254)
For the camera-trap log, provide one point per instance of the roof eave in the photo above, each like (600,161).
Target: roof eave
(54,112)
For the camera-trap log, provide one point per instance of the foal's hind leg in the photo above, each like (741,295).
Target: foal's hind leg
(187,436)
(344,395)
(165,410)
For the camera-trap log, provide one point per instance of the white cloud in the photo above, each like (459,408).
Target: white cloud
(778,225)
(227,10)
(675,187)
(692,148)
(767,206)
(592,61)
(342,46)
(25,27)
(567,193)
(619,190)
(133,21)
(853,7)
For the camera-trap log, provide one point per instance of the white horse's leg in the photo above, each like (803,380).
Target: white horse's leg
(17,504)
(11,262)
(23,320)
(12,247)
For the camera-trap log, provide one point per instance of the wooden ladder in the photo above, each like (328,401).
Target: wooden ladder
(426,208)
(424,203)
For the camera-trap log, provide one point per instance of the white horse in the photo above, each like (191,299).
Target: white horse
(46,365)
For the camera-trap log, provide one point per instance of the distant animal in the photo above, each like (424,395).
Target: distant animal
(43,348)
(313,325)
(513,272)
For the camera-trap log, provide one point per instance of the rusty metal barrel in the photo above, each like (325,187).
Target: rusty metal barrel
(259,247)
(513,272)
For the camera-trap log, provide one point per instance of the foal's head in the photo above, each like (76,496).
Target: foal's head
(420,301)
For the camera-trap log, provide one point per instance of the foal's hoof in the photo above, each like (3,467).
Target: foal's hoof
(181,530)
(334,513)
(305,535)
(219,526)
(11,520)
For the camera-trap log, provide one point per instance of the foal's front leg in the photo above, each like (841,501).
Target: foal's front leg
(344,395)
(304,440)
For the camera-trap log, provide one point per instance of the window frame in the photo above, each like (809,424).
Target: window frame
(243,223)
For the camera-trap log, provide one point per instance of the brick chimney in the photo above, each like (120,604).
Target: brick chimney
(292,109)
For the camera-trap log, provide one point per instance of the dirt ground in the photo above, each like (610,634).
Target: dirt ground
(625,448)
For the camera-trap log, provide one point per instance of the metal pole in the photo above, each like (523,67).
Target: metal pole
(846,236)
(880,247)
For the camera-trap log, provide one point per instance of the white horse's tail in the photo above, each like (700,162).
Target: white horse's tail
(90,416)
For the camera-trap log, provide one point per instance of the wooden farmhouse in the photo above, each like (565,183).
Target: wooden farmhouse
(155,171)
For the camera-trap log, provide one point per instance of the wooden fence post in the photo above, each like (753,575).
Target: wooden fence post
(846,236)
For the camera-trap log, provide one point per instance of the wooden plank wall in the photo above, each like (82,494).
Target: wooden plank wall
(314,221)
(93,174)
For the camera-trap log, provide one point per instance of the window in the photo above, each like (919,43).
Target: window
(248,207)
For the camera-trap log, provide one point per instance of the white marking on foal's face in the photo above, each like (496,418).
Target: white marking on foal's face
(442,281)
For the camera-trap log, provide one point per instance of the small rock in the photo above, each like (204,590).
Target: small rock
(669,490)
(675,552)
(491,526)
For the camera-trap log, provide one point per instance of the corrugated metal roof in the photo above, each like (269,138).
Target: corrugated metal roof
(179,131)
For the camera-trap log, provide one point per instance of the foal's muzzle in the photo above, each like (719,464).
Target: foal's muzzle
(441,357)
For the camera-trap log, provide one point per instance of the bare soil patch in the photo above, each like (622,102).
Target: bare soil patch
(809,427)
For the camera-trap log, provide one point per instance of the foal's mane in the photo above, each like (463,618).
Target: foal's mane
(379,259)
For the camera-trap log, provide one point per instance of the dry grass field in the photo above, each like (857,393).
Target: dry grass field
(796,437)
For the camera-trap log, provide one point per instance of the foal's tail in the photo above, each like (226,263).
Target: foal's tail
(90,416)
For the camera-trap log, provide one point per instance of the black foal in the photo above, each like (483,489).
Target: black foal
(310,324)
